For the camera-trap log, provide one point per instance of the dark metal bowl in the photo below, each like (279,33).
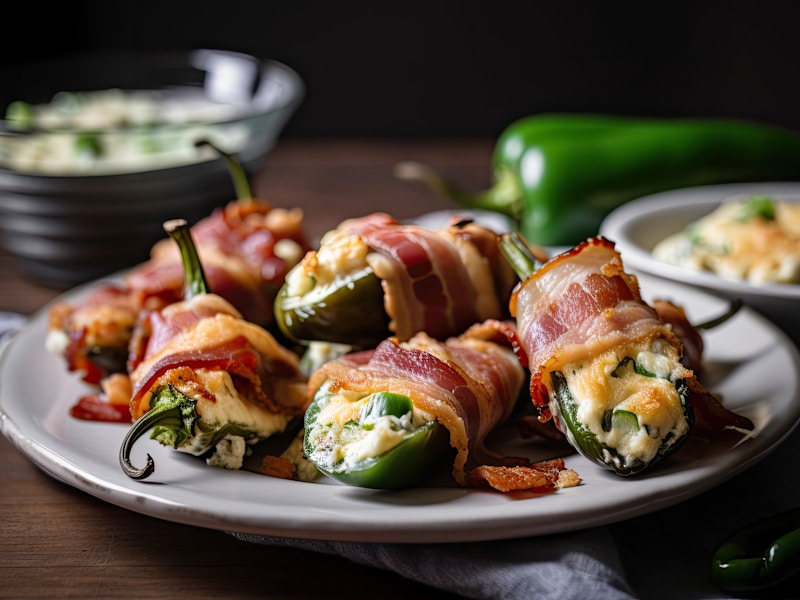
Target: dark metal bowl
(65,229)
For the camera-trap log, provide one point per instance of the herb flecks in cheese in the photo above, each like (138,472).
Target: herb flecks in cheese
(754,240)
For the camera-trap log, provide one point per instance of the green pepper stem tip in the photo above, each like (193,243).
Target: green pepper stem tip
(519,255)
(134,433)
(235,168)
(195,282)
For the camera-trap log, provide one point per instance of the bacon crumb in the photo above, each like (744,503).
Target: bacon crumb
(568,478)
(276,466)
(541,477)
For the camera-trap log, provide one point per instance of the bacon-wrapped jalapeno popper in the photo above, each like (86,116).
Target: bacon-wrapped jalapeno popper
(381,418)
(603,363)
(373,277)
(209,380)
(247,247)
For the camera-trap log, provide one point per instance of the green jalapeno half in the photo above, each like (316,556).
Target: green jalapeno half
(621,412)
(621,437)
(346,310)
(384,447)
(174,422)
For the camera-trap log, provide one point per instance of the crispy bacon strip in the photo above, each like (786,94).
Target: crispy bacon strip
(207,332)
(237,245)
(106,319)
(440,282)
(469,384)
(582,303)
(578,305)
(540,478)
(674,315)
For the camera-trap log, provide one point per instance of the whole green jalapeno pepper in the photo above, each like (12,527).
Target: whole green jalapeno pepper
(559,175)
(760,557)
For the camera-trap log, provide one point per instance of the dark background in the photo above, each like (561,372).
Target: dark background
(452,69)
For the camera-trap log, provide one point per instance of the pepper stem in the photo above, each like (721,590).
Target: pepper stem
(505,196)
(238,175)
(173,414)
(195,282)
(519,255)
(140,427)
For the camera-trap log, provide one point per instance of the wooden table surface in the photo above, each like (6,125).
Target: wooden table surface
(57,541)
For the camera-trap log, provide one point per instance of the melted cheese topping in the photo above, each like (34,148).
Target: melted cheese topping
(739,247)
(228,407)
(341,442)
(600,388)
(336,259)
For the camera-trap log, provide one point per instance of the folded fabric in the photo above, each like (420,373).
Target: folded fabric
(578,565)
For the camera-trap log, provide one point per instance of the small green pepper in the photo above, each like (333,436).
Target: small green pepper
(559,175)
(401,466)
(763,556)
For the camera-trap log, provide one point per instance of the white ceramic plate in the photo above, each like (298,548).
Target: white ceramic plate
(750,363)
(638,226)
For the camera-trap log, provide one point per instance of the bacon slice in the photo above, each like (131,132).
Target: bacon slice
(238,245)
(207,332)
(469,384)
(104,320)
(582,303)
(578,305)
(440,282)
(693,345)
(539,478)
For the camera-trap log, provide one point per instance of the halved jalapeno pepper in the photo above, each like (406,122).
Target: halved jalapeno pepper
(348,310)
(384,448)
(623,441)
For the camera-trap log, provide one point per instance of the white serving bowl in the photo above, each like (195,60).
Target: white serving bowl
(636,227)
(65,223)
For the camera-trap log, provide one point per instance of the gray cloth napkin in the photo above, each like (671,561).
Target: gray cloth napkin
(663,555)
(578,566)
